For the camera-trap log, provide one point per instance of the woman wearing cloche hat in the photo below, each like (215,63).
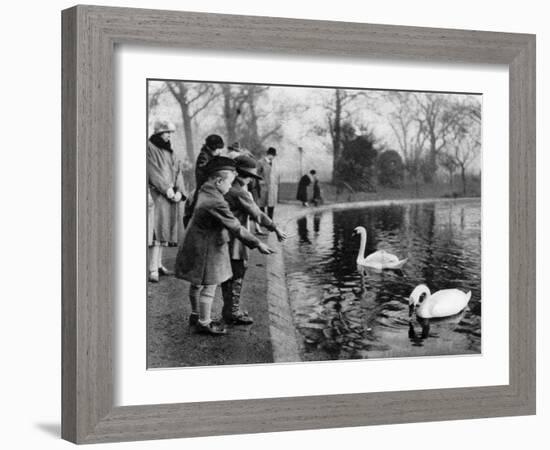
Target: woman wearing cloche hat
(165,191)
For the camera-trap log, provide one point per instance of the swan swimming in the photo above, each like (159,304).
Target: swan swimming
(443,303)
(380,259)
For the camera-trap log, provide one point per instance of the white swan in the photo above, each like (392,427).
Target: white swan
(444,303)
(380,259)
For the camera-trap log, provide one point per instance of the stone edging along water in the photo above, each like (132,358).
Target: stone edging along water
(284,335)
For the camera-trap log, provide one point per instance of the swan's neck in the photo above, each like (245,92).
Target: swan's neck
(361,254)
(424,290)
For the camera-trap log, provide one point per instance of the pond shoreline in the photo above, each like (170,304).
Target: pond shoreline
(324,272)
(285,339)
(293,210)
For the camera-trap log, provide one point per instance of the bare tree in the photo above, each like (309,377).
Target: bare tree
(257,129)
(409,131)
(337,112)
(234,98)
(155,91)
(192,99)
(437,115)
(466,144)
(245,119)
(449,163)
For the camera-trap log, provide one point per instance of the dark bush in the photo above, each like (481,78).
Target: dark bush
(390,169)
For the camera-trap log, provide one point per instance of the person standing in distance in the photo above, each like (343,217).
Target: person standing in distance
(269,184)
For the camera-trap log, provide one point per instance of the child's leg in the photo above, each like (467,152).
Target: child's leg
(239,269)
(206,298)
(227,290)
(232,296)
(194,294)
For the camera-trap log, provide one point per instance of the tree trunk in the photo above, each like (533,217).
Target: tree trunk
(254,143)
(429,174)
(463,174)
(230,114)
(188,131)
(337,135)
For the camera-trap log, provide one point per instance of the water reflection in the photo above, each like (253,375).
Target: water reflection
(342,314)
(303,231)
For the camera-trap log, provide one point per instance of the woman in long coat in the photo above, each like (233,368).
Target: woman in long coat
(269,185)
(165,185)
(303,184)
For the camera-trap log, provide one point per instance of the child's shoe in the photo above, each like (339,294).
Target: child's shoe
(154,276)
(213,328)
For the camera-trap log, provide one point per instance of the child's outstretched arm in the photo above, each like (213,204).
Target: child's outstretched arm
(223,214)
(249,206)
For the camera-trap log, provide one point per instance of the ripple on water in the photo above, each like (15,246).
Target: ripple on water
(341,315)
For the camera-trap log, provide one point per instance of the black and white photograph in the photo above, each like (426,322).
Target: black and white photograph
(263,225)
(305,223)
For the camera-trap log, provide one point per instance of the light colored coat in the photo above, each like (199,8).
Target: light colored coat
(269,185)
(162,174)
(150,217)
(203,255)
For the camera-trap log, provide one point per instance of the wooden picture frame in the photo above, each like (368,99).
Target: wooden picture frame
(89,37)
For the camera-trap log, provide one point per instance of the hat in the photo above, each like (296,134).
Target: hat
(218,163)
(214,141)
(236,146)
(246,167)
(163,126)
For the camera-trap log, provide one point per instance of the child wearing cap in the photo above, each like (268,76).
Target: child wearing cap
(203,255)
(243,208)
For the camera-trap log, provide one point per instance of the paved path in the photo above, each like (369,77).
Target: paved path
(170,342)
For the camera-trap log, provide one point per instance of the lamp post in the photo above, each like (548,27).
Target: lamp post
(301,152)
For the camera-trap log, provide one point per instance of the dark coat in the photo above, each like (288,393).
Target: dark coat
(203,255)
(203,159)
(304,182)
(205,155)
(162,174)
(317,197)
(244,208)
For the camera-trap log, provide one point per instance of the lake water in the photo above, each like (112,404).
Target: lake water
(342,315)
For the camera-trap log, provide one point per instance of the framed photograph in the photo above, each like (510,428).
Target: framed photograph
(286,224)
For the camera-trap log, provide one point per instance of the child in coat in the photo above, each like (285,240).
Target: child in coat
(203,256)
(243,208)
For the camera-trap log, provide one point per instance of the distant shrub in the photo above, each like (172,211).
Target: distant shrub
(357,165)
(391,169)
